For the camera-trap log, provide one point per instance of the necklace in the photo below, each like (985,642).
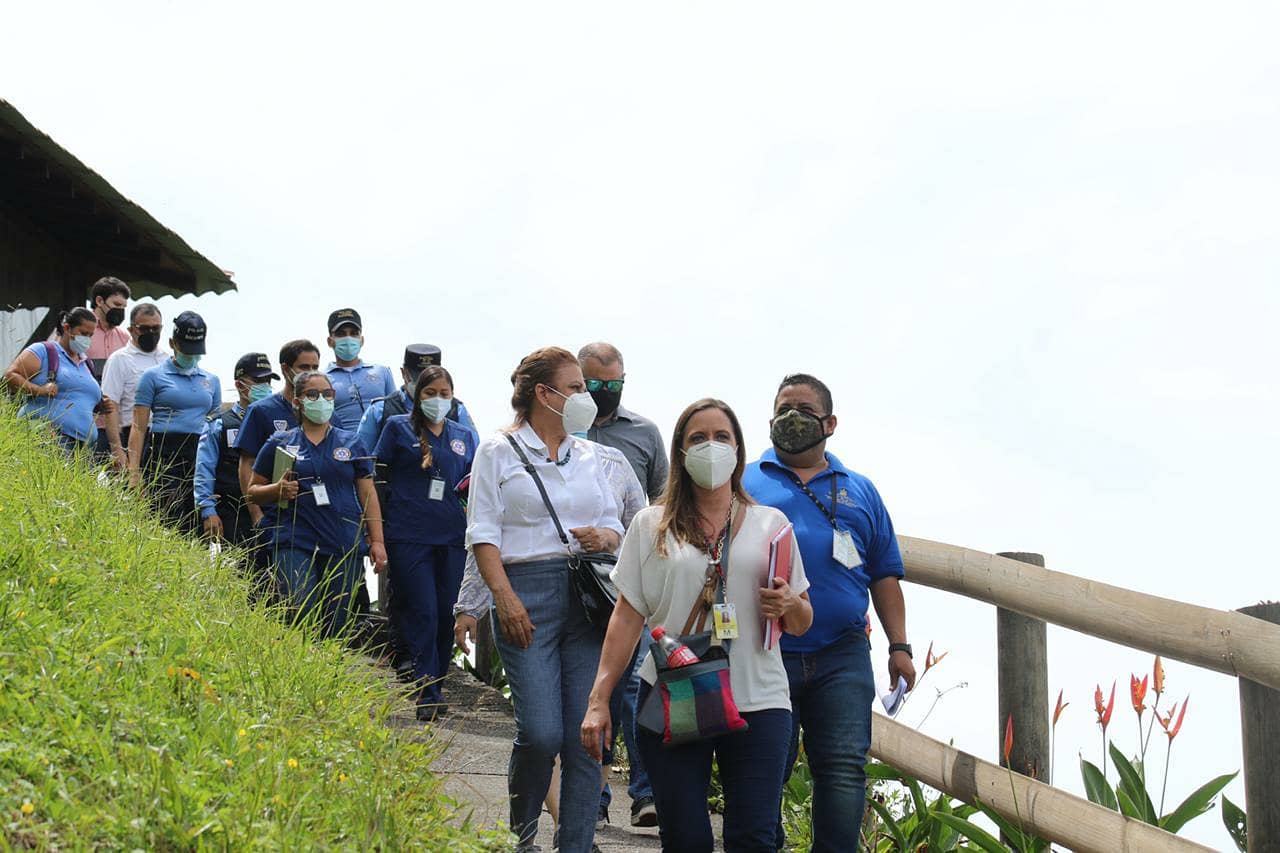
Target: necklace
(568,454)
(715,550)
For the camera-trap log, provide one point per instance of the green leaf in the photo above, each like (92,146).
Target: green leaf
(878,770)
(1005,825)
(1233,817)
(1200,801)
(1096,787)
(976,834)
(917,796)
(1131,783)
(886,818)
(1127,807)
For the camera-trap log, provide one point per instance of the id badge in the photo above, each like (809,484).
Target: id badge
(436,491)
(726,621)
(844,551)
(320,493)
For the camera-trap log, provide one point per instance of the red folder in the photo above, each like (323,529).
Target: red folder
(779,567)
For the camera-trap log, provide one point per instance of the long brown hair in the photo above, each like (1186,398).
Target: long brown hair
(679,515)
(429,374)
(537,368)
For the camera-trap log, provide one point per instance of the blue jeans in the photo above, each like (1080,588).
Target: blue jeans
(319,585)
(831,695)
(426,580)
(550,682)
(751,764)
(639,787)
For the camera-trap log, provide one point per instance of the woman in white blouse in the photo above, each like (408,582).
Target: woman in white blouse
(666,560)
(549,650)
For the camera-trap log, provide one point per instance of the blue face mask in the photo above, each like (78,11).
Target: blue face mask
(80,344)
(186,362)
(347,349)
(260,391)
(436,408)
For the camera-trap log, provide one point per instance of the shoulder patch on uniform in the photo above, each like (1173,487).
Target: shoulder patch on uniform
(280,426)
(232,435)
(843,498)
(342,454)
(459,446)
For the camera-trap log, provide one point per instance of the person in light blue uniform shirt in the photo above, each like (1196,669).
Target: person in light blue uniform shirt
(356,383)
(417,358)
(169,410)
(424,456)
(219,498)
(318,537)
(850,556)
(68,397)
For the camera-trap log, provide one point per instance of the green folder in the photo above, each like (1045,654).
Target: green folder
(284,462)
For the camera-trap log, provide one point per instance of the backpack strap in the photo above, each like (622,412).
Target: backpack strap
(51,355)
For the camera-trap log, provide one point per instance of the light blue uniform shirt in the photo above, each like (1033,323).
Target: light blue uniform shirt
(71,409)
(355,389)
(368,429)
(208,454)
(179,400)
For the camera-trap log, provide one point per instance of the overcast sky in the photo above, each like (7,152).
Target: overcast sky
(1033,252)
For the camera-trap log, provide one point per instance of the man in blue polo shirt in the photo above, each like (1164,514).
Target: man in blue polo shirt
(356,383)
(849,549)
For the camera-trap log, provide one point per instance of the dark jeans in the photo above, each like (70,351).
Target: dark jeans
(320,586)
(550,682)
(831,695)
(751,765)
(426,579)
(169,469)
(623,708)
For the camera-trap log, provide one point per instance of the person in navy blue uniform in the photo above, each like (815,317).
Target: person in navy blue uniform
(356,383)
(417,358)
(57,378)
(319,537)
(169,410)
(220,502)
(850,554)
(424,456)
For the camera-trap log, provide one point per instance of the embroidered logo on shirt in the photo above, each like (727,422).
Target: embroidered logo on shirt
(459,446)
(280,426)
(371,377)
(342,454)
(842,498)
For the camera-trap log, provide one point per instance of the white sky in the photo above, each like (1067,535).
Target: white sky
(1033,251)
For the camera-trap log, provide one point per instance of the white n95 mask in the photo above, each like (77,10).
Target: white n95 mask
(711,464)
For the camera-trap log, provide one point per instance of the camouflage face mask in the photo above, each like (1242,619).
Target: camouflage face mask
(795,431)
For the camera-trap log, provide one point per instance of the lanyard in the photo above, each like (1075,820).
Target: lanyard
(829,513)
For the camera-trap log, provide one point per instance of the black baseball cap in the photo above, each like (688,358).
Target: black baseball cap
(256,366)
(189,333)
(418,357)
(345,317)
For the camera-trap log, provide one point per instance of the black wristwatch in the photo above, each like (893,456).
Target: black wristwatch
(900,647)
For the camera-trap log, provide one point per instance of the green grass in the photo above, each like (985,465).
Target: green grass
(145,705)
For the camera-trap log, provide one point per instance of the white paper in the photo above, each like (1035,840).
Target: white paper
(892,701)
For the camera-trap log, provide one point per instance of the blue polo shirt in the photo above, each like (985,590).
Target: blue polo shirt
(263,419)
(71,409)
(337,462)
(179,400)
(410,516)
(839,595)
(355,389)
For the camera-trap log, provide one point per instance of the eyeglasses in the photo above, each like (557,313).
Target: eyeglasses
(316,394)
(155,330)
(614,385)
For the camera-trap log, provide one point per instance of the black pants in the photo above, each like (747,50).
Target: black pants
(169,471)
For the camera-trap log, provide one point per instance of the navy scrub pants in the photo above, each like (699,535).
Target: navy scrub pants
(426,580)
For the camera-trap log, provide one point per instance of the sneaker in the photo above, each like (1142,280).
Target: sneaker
(431,713)
(643,812)
(602,819)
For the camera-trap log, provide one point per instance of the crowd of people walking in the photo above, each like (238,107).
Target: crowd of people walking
(708,554)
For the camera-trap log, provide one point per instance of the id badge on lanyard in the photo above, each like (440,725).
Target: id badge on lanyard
(320,493)
(843,549)
(436,491)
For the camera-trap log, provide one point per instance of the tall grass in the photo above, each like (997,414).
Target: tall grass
(145,704)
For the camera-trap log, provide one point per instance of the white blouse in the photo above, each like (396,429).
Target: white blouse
(505,509)
(663,590)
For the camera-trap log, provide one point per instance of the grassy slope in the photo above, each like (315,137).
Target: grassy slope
(143,704)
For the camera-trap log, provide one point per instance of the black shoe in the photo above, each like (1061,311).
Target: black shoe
(602,819)
(431,713)
(643,812)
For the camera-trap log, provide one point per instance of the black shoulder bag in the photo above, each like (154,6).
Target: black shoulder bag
(588,573)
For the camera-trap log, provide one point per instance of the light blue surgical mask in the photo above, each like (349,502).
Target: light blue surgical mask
(260,391)
(186,362)
(347,349)
(436,408)
(80,344)
(317,411)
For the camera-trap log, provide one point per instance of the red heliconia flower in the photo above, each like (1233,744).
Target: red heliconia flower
(1008,739)
(1157,677)
(930,661)
(1138,693)
(1062,706)
(1104,714)
(1167,720)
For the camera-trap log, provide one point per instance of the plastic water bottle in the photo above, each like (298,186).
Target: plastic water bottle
(678,654)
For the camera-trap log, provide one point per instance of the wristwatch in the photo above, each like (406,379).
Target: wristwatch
(900,647)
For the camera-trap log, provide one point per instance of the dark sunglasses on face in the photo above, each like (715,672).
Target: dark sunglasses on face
(155,330)
(613,385)
(316,394)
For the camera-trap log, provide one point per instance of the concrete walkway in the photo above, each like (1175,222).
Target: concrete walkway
(476,736)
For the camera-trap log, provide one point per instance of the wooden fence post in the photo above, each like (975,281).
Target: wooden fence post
(1022,661)
(1260,742)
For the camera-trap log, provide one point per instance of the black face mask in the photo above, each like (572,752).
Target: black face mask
(795,431)
(115,316)
(148,341)
(606,402)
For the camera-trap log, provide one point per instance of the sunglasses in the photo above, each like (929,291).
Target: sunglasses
(316,394)
(155,330)
(613,385)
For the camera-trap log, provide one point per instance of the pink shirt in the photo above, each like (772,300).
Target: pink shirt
(105,342)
